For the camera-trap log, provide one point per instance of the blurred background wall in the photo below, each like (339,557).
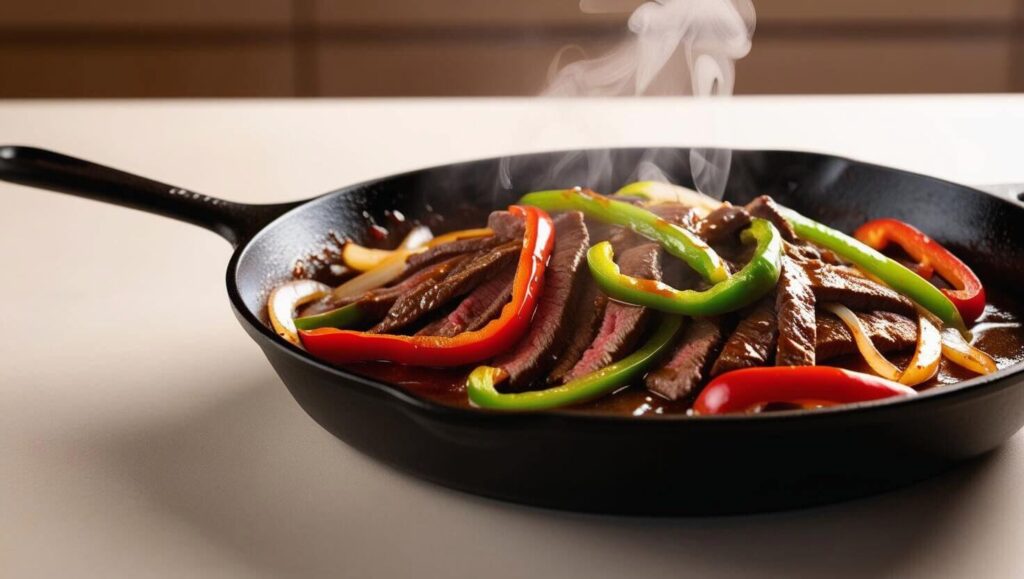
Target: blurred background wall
(270,48)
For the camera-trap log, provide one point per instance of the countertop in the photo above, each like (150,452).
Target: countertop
(142,434)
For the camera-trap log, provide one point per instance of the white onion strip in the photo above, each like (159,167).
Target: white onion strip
(872,356)
(286,298)
(925,363)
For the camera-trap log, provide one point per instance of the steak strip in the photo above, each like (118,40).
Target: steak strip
(384,297)
(586,320)
(753,341)
(687,366)
(794,305)
(505,225)
(766,208)
(889,332)
(434,293)
(622,324)
(536,351)
(418,261)
(677,214)
(722,224)
(832,283)
(479,307)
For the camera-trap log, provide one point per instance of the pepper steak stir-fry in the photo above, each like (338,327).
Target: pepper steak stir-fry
(657,294)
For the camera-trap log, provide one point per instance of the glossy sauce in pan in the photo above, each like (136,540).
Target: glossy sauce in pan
(999,332)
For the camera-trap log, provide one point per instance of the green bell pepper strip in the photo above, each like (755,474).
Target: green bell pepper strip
(890,271)
(343,317)
(676,240)
(745,287)
(482,391)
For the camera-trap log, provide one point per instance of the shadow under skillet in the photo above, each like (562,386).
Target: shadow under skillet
(271,489)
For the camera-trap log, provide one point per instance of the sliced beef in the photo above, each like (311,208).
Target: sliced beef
(686,368)
(434,293)
(766,208)
(386,296)
(479,307)
(723,224)
(505,225)
(535,353)
(622,324)
(832,283)
(586,319)
(794,306)
(438,253)
(677,214)
(889,332)
(753,341)
(806,251)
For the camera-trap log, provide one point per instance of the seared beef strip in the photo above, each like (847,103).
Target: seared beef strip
(505,225)
(794,306)
(384,297)
(677,214)
(833,283)
(592,302)
(753,341)
(622,324)
(686,368)
(766,208)
(536,351)
(723,224)
(479,307)
(889,332)
(586,320)
(443,251)
(433,294)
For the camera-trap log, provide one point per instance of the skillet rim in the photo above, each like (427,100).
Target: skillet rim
(974,387)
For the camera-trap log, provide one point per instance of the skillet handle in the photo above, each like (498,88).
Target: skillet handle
(236,222)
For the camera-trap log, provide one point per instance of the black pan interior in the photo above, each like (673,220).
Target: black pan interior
(984,230)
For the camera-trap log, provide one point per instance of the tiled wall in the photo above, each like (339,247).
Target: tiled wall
(130,48)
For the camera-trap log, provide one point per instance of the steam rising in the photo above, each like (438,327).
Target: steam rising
(675,47)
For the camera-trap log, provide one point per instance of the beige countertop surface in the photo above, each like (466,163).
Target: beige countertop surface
(142,434)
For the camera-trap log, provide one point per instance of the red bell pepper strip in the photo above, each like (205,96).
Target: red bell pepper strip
(339,346)
(747,389)
(969,295)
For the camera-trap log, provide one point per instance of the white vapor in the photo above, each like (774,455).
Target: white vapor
(671,42)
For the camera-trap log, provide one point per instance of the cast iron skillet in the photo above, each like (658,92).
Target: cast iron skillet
(565,460)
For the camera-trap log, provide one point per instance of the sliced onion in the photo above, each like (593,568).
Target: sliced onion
(418,237)
(658,192)
(927,355)
(387,270)
(362,258)
(956,349)
(286,298)
(872,356)
(392,266)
